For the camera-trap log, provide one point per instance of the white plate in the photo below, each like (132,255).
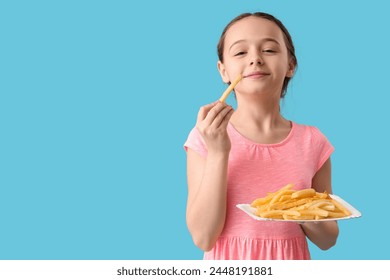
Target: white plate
(354,212)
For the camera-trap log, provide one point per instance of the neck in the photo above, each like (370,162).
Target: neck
(258,114)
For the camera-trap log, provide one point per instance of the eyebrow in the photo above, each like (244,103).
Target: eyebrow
(263,40)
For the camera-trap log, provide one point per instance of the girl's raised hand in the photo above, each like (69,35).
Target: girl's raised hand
(212,123)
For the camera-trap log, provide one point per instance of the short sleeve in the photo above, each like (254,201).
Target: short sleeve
(196,143)
(323,148)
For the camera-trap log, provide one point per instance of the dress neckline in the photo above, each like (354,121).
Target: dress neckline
(251,142)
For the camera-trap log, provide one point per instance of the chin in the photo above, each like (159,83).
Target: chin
(255,93)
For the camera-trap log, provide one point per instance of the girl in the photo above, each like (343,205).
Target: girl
(236,156)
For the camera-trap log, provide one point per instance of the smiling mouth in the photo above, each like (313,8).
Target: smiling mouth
(256,75)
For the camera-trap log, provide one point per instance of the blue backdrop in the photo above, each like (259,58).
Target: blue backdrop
(97,99)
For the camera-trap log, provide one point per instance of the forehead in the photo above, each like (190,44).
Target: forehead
(253,28)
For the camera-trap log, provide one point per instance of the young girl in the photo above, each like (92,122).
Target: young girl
(237,156)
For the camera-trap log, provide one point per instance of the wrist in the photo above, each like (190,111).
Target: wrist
(218,154)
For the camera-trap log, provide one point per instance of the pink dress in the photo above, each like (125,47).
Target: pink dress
(253,171)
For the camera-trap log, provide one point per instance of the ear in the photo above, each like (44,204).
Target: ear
(291,69)
(222,72)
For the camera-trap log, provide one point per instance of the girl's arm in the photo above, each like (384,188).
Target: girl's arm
(207,177)
(323,234)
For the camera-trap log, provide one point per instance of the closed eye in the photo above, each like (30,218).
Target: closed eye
(239,53)
(269,51)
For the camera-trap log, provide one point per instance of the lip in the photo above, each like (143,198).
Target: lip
(256,74)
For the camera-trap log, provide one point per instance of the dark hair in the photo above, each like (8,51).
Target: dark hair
(287,39)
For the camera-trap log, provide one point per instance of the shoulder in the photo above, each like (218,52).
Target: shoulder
(308,132)
(194,135)
(316,144)
(195,142)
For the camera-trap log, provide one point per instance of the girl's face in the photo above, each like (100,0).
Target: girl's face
(255,48)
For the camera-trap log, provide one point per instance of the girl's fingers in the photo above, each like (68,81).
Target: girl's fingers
(214,112)
(226,119)
(223,117)
(204,110)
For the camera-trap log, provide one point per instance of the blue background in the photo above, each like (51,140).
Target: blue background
(97,99)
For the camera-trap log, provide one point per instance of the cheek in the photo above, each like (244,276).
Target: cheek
(282,68)
(231,66)
(233,72)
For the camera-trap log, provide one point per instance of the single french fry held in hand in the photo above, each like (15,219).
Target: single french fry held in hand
(226,93)
(307,204)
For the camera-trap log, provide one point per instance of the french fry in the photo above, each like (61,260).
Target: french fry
(285,197)
(276,213)
(304,193)
(302,217)
(278,196)
(226,93)
(320,203)
(307,204)
(315,212)
(342,208)
(323,195)
(329,207)
(263,200)
(288,205)
(336,214)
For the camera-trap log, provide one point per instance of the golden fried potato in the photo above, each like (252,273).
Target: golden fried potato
(307,204)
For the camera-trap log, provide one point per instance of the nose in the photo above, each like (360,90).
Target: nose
(256,60)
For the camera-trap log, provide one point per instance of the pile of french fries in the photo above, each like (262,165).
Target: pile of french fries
(306,204)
